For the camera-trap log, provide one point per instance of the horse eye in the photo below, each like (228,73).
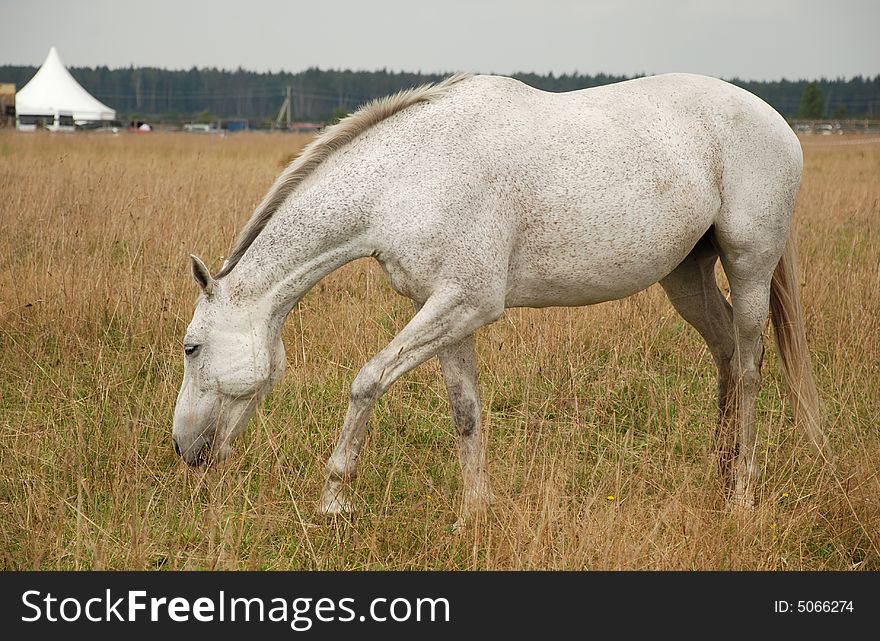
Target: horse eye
(189,350)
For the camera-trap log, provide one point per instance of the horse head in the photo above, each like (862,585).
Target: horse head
(233,357)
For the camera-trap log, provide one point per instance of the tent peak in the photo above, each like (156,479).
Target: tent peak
(53,56)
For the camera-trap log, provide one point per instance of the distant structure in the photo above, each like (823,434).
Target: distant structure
(7,104)
(201,128)
(284,114)
(55,100)
(284,117)
(235,124)
(305,127)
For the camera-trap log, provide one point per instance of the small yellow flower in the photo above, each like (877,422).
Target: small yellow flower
(785,495)
(610,497)
(773,526)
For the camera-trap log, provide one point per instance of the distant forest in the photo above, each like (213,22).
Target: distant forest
(318,95)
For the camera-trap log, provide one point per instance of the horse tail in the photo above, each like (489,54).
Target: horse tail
(791,341)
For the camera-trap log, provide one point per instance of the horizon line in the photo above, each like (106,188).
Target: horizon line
(574,73)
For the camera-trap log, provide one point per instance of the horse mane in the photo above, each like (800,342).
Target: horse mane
(317,151)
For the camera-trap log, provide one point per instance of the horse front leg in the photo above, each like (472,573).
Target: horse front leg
(458,363)
(445,319)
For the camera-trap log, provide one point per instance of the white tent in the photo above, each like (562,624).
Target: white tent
(53,91)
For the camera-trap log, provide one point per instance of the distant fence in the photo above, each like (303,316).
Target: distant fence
(836,127)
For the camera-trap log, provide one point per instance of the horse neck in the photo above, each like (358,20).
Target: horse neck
(313,233)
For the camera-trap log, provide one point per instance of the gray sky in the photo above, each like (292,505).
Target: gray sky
(751,39)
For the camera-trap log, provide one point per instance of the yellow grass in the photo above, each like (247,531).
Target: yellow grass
(598,420)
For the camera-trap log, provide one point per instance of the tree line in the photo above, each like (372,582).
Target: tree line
(320,95)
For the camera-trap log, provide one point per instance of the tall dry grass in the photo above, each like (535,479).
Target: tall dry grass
(598,420)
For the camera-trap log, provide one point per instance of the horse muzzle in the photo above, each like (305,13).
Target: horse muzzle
(194,452)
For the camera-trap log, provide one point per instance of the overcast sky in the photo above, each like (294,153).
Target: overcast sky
(750,39)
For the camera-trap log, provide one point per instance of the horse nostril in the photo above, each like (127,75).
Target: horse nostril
(176,446)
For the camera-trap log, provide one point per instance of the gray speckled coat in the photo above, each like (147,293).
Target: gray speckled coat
(484,193)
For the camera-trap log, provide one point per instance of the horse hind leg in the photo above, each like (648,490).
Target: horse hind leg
(749,250)
(693,292)
(458,362)
(750,296)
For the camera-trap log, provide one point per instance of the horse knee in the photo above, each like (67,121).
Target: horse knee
(367,385)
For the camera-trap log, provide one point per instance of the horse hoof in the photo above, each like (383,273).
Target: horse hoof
(335,505)
(742,503)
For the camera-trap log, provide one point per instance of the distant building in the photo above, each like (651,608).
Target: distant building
(235,124)
(55,100)
(200,128)
(305,127)
(7,104)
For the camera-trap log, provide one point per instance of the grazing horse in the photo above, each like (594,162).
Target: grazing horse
(481,193)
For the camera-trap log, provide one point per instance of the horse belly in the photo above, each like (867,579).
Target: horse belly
(591,258)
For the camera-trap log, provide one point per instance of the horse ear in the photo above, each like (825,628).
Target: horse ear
(202,275)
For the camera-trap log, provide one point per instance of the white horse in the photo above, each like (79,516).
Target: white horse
(482,193)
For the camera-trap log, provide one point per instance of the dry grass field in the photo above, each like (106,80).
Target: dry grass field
(598,420)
